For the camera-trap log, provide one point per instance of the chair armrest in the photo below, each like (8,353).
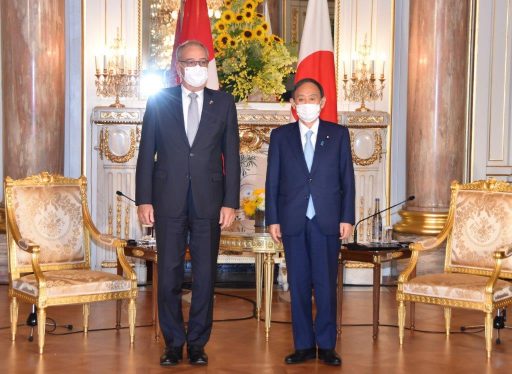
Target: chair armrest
(498,255)
(503,252)
(33,248)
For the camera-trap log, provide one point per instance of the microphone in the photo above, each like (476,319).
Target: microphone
(119,193)
(412,197)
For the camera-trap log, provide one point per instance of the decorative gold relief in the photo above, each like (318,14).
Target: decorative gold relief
(377,150)
(367,119)
(104,148)
(120,116)
(253,137)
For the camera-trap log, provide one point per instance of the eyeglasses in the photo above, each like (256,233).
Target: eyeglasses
(191,63)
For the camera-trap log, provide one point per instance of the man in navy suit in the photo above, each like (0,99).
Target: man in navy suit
(310,193)
(188,184)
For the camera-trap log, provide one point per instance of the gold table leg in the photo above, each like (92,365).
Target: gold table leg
(259,279)
(269,278)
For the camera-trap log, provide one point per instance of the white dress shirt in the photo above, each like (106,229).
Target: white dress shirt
(304,129)
(186,102)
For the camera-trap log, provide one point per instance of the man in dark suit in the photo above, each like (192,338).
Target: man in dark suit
(310,193)
(188,184)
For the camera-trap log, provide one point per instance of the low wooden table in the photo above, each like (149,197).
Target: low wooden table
(374,254)
(149,254)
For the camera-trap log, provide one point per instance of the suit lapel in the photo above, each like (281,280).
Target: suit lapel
(322,142)
(205,113)
(296,146)
(176,104)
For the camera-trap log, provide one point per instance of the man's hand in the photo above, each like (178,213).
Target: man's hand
(345,230)
(145,213)
(227,216)
(275,232)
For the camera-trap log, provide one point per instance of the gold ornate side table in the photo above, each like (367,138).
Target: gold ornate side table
(239,239)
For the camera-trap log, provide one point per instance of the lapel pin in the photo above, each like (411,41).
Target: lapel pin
(211,102)
(327,137)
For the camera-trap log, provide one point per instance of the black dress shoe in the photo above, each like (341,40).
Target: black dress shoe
(329,356)
(301,355)
(197,356)
(172,356)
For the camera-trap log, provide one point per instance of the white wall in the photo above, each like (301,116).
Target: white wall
(491,138)
(73,113)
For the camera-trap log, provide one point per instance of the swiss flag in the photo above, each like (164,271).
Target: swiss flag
(316,56)
(194,24)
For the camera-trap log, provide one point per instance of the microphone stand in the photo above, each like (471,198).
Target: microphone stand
(412,197)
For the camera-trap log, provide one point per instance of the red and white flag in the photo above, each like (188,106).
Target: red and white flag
(194,24)
(316,56)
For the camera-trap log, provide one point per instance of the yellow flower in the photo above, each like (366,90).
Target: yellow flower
(247,34)
(228,16)
(220,26)
(248,14)
(233,43)
(264,25)
(255,201)
(277,39)
(239,18)
(223,40)
(249,4)
(259,15)
(227,3)
(259,32)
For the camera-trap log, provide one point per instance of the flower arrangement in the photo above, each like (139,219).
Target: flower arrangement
(249,58)
(254,202)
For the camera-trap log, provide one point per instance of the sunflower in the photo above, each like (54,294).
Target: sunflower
(220,26)
(259,32)
(247,34)
(249,4)
(228,16)
(227,3)
(248,15)
(259,15)
(266,39)
(233,43)
(277,39)
(239,18)
(265,26)
(222,40)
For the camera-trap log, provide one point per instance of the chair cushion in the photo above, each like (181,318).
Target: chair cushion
(455,286)
(61,283)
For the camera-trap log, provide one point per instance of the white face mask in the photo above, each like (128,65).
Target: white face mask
(308,112)
(196,76)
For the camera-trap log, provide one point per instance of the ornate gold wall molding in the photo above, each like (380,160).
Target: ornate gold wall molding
(375,156)
(104,147)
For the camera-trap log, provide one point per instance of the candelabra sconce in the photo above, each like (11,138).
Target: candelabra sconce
(363,84)
(111,83)
(362,87)
(118,76)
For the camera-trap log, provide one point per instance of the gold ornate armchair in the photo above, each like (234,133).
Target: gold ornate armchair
(48,238)
(477,265)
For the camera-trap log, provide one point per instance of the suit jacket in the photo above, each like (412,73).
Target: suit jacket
(289,183)
(167,164)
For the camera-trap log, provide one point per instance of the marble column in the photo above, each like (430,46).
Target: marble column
(33,77)
(436,107)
